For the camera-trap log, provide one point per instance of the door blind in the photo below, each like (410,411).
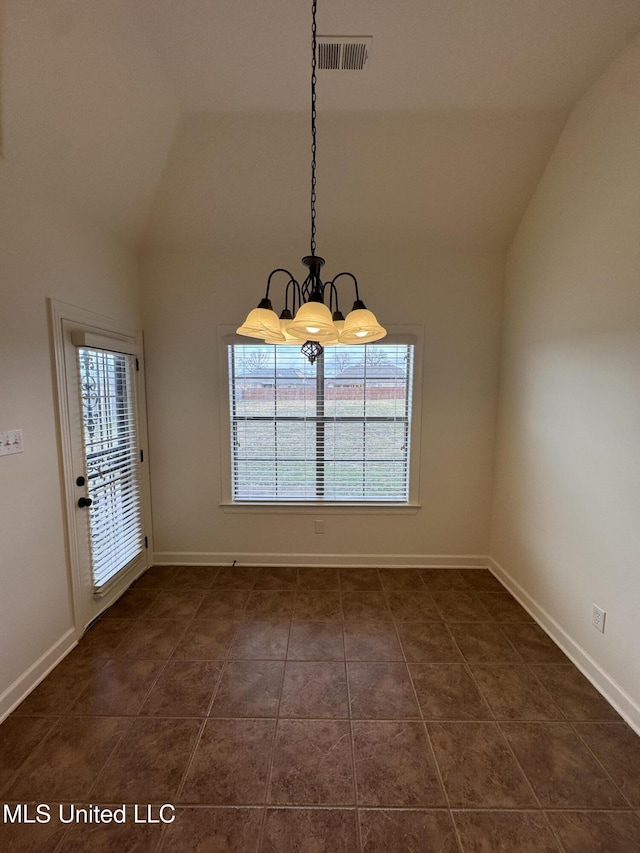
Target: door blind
(337,430)
(112,458)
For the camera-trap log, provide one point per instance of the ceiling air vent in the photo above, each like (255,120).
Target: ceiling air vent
(343,53)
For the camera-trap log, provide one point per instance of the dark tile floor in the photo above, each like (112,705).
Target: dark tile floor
(321,710)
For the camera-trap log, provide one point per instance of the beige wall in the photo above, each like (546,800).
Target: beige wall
(455,296)
(86,110)
(567,498)
(232,206)
(87,121)
(46,250)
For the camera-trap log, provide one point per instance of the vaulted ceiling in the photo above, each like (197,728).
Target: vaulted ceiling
(427,54)
(442,139)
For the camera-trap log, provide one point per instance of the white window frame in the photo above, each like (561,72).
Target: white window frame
(396,334)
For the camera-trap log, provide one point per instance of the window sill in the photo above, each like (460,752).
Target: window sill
(319,507)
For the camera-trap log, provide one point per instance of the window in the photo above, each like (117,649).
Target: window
(338,430)
(112,461)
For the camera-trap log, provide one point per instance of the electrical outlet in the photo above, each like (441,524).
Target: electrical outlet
(319,525)
(11,441)
(597,618)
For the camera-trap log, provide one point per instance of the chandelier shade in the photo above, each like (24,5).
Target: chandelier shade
(313,323)
(338,326)
(260,322)
(361,327)
(288,339)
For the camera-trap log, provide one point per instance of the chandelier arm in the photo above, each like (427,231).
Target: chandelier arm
(351,275)
(272,273)
(333,292)
(296,298)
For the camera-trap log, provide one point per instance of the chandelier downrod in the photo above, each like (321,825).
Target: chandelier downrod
(314,147)
(314,323)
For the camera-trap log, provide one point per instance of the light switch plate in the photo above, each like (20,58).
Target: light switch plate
(11,441)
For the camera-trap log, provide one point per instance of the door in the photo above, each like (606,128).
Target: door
(102,430)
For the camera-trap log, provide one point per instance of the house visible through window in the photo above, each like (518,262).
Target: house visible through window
(337,430)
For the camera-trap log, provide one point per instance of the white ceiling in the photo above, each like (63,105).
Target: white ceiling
(442,140)
(239,183)
(252,55)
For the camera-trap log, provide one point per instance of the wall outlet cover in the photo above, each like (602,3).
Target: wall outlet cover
(598,617)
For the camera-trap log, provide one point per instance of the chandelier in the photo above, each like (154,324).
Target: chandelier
(305,317)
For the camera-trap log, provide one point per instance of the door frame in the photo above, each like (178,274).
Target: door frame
(62,316)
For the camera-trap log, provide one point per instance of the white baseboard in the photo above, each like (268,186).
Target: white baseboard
(386,561)
(25,683)
(624,704)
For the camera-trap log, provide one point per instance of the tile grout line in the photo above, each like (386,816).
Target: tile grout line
(37,748)
(573,728)
(272,754)
(356,802)
(163,834)
(532,666)
(128,717)
(205,719)
(429,742)
(496,722)
(497,725)
(554,834)
(356,797)
(189,621)
(571,723)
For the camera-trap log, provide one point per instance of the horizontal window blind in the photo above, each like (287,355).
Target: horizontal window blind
(337,430)
(112,461)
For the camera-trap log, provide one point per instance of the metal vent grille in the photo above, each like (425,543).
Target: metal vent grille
(343,53)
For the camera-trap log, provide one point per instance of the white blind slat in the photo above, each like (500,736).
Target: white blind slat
(112,461)
(337,430)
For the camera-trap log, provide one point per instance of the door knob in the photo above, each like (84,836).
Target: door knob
(83,502)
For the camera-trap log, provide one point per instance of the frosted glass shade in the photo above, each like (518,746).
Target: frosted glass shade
(361,327)
(338,325)
(288,339)
(261,322)
(313,322)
